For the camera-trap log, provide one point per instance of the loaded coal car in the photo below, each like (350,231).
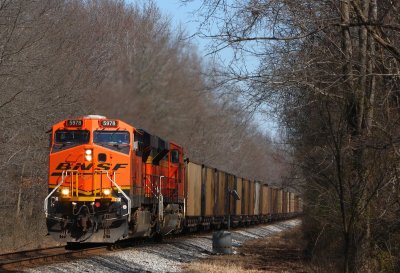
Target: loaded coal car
(110,181)
(210,202)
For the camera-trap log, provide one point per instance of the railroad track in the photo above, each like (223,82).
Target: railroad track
(11,262)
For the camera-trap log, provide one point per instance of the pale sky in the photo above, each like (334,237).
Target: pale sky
(182,14)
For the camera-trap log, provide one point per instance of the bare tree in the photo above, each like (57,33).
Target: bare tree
(321,66)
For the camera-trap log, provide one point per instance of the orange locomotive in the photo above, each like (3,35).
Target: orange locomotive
(109,181)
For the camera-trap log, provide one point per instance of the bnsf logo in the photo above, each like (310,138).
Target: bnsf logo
(85,167)
(101,166)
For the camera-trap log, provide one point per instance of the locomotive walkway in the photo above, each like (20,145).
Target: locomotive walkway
(168,256)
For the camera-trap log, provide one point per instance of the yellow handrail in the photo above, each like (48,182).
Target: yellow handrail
(77,184)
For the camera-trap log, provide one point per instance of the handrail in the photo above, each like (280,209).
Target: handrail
(64,174)
(124,194)
(160,192)
(151,190)
(46,205)
(160,202)
(184,207)
(77,182)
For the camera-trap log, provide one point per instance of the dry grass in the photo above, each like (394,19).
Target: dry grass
(223,267)
(278,254)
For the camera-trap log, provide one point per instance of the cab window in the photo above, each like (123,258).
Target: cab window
(113,140)
(175,156)
(111,137)
(72,137)
(64,139)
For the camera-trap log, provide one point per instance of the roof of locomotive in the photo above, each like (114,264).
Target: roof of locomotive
(77,123)
(121,124)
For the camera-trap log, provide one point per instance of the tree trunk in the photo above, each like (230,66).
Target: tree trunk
(371,12)
(347,72)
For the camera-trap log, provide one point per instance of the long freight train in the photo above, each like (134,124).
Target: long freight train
(109,181)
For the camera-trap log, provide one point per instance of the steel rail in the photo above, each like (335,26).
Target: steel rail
(12,262)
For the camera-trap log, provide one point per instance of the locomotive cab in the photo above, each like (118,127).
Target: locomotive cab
(109,181)
(89,180)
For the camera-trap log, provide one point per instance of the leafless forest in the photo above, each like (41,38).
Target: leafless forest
(330,69)
(61,59)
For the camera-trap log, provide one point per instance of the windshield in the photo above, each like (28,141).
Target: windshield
(65,139)
(72,137)
(111,137)
(114,140)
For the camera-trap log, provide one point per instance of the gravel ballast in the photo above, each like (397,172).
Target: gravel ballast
(168,256)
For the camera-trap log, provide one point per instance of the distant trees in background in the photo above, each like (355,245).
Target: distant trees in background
(61,59)
(330,70)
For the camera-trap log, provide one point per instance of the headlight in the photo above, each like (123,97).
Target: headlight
(106,191)
(88,154)
(65,191)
